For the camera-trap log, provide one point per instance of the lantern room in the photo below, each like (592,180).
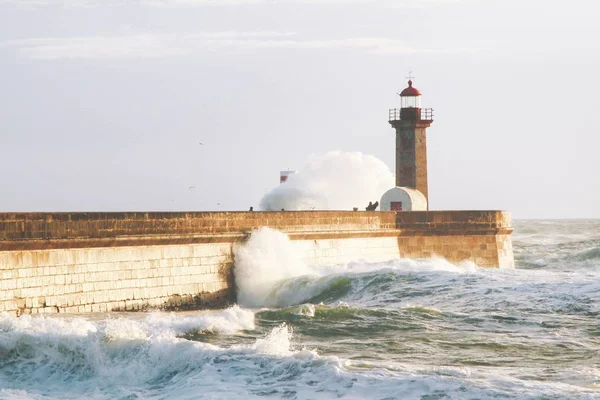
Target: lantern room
(410,107)
(410,97)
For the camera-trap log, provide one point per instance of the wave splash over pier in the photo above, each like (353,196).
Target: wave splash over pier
(335,180)
(405,329)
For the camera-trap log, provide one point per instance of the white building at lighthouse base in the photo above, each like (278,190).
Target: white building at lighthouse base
(403,199)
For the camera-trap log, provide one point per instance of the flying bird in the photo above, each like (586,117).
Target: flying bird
(192,187)
(201,144)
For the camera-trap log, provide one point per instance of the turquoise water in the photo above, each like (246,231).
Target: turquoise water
(401,329)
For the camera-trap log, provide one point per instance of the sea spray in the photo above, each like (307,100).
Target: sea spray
(265,260)
(334,181)
(160,324)
(278,342)
(269,272)
(50,357)
(53,330)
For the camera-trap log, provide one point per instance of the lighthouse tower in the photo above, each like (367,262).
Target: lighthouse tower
(411,123)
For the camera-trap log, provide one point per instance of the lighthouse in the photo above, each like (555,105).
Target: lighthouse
(410,122)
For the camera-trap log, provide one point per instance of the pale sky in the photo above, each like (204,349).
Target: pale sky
(103,103)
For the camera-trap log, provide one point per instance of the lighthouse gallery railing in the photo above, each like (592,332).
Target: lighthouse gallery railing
(424,114)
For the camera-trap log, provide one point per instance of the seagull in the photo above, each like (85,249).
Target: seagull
(201,144)
(192,187)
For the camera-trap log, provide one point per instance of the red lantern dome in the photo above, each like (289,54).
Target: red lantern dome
(410,97)
(410,90)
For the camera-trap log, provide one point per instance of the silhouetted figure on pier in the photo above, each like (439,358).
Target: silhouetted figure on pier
(372,206)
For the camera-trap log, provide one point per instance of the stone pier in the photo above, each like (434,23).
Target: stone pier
(100,262)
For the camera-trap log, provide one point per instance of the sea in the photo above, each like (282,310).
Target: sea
(400,329)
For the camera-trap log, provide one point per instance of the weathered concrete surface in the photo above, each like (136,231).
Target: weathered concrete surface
(97,262)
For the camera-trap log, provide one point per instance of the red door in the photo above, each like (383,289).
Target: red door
(396,206)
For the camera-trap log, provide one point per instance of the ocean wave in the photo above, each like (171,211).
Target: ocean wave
(589,254)
(441,292)
(145,326)
(557,232)
(74,357)
(573,255)
(424,329)
(557,245)
(270,273)
(322,312)
(373,284)
(261,263)
(77,363)
(422,309)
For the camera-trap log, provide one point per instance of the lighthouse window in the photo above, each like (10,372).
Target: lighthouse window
(410,101)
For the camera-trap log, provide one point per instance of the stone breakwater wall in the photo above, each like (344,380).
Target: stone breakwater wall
(99,262)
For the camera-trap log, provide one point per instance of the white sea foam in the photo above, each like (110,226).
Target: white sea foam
(156,324)
(271,367)
(9,394)
(55,357)
(278,342)
(418,265)
(227,321)
(267,259)
(46,325)
(269,271)
(421,309)
(334,181)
